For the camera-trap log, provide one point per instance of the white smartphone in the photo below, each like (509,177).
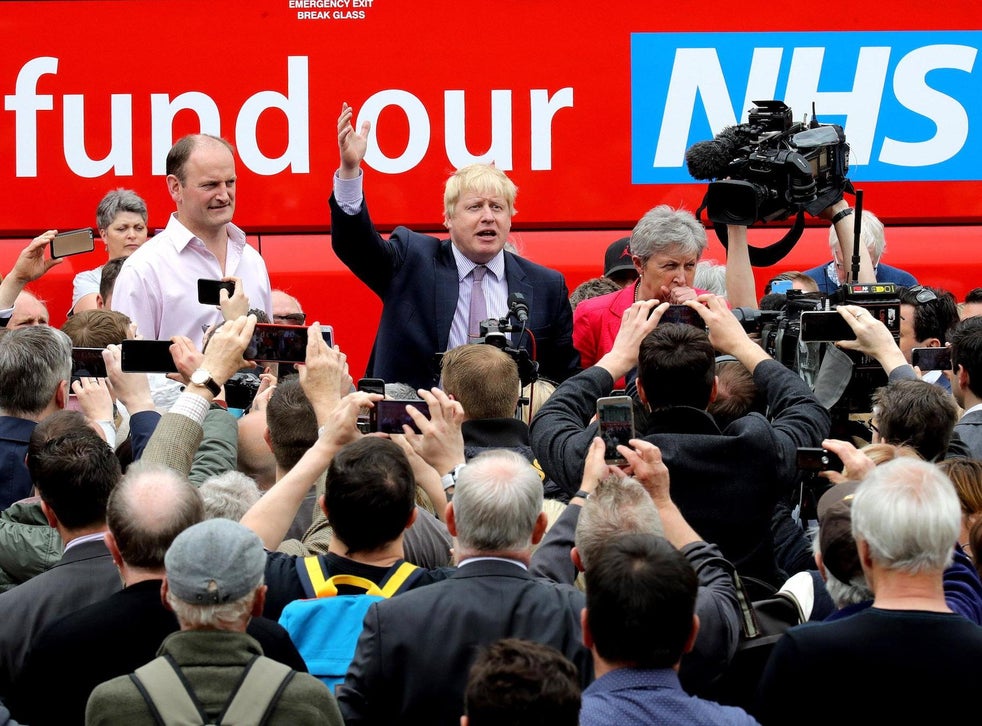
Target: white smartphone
(615,415)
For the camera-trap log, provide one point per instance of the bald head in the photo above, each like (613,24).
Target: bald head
(286,308)
(149,507)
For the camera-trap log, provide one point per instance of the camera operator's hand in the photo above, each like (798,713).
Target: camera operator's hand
(636,322)
(440,441)
(323,374)
(855,464)
(267,386)
(94,399)
(352,145)
(186,357)
(131,389)
(725,331)
(872,337)
(235,306)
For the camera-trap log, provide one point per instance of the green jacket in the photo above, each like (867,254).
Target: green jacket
(212,661)
(28,544)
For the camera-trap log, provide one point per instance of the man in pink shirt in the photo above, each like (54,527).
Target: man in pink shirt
(157,287)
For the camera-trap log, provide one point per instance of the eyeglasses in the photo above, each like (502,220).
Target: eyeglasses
(291,319)
(922,294)
(873,428)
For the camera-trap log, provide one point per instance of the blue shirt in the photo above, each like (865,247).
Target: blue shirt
(884,273)
(639,696)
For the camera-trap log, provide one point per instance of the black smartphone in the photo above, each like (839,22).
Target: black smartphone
(72,243)
(371,385)
(818,459)
(272,342)
(209,290)
(682,314)
(88,363)
(147,356)
(824,326)
(615,415)
(931,359)
(388,416)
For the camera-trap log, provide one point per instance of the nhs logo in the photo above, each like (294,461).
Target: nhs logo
(910,102)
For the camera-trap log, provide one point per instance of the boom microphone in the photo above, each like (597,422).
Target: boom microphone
(709,159)
(518,307)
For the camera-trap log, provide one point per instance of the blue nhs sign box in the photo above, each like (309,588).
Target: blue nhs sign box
(910,102)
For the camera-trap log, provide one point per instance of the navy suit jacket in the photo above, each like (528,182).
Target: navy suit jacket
(416,648)
(415,276)
(15,481)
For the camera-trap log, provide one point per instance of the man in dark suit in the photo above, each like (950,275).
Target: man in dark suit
(966,379)
(726,482)
(74,470)
(35,366)
(415,651)
(148,508)
(427,285)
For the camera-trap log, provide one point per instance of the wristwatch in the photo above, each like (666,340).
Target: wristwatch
(201,377)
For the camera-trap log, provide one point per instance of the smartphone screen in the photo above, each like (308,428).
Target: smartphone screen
(824,326)
(209,290)
(682,314)
(282,343)
(72,243)
(370,385)
(147,356)
(88,363)
(388,416)
(931,359)
(615,415)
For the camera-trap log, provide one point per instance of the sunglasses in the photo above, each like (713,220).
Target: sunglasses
(922,294)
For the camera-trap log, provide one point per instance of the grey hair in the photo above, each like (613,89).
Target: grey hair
(618,506)
(663,229)
(872,235)
(229,495)
(34,361)
(220,616)
(401,392)
(908,513)
(710,275)
(842,593)
(496,502)
(117,201)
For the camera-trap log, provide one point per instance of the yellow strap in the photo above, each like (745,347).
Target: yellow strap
(398,577)
(316,576)
(331,586)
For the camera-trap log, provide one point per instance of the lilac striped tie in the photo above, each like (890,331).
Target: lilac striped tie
(479,308)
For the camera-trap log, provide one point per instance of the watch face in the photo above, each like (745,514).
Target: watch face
(200,377)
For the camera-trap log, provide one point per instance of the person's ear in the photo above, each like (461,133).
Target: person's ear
(49,514)
(574,555)
(259,602)
(61,395)
(715,391)
(638,264)
(99,302)
(587,636)
(539,530)
(113,548)
(412,518)
(451,521)
(690,642)
(163,594)
(174,187)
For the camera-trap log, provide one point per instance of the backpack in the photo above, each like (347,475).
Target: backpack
(172,701)
(325,626)
(762,623)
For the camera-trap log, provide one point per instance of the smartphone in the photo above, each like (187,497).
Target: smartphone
(147,356)
(682,314)
(72,243)
(824,326)
(818,459)
(209,290)
(388,416)
(371,385)
(272,342)
(931,359)
(615,415)
(88,363)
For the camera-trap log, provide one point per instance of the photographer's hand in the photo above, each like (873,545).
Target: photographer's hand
(726,333)
(637,321)
(237,304)
(872,337)
(224,355)
(855,464)
(324,374)
(440,441)
(132,389)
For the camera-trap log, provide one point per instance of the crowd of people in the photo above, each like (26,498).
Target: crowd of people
(161,536)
